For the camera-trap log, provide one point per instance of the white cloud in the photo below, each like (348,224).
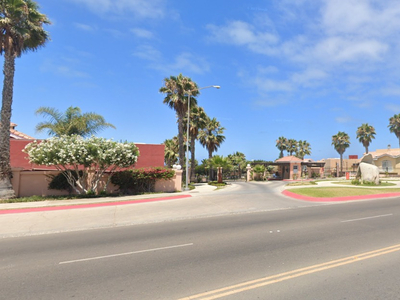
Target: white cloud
(140,8)
(142,33)
(338,49)
(148,52)
(85,27)
(244,34)
(395,108)
(185,62)
(344,119)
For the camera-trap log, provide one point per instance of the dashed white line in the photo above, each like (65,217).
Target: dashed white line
(366,218)
(122,254)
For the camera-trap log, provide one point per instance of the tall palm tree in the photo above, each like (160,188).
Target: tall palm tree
(303,149)
(171,151)
(72,121)
(198,119)
(394,126)
(281,144)
(291,146)
(177,90)
(21,30)
(211,137)
(341,141)
(365,134)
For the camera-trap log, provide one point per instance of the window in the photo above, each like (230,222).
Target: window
(387,166)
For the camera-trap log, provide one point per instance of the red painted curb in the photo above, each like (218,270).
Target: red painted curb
(91,205)
(336,199)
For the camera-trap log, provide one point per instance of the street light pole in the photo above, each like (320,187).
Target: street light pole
(187,134)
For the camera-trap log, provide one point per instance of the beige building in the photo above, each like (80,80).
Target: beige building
(387,160)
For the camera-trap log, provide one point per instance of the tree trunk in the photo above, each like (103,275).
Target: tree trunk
(211,168)
(6,190)
(193,160)
(341,164)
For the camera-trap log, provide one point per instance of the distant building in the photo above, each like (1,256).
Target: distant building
(387,160)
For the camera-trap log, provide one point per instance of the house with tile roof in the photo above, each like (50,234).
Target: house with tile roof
(387,160)
(31,179)
(17,135)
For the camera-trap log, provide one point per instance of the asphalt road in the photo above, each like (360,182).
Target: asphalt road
(284,250)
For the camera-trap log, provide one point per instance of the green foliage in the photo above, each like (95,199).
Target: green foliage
(217,184)
(356,182)
(93,155)
(139,181)
(60,182)
(71,122)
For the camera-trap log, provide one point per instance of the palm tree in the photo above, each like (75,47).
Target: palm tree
(291,146)
(211,137)
(71,122)
(341,141)
(220,162)
(198,119)
(281,144)
(176,90)
(365,134)
(238,159)
(21,31)
(171,151)
(303,149)
(394,126)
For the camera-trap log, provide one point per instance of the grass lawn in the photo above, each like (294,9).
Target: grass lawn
(330,192)
(349,183)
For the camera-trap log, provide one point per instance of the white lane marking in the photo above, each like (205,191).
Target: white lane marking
(366,218)
(126,253)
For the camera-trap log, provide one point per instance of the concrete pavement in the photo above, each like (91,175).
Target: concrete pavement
(19,219)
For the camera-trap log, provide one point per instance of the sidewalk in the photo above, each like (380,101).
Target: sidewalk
(201,188)
(45,217)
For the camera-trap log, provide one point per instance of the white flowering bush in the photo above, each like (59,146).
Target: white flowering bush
(92,156)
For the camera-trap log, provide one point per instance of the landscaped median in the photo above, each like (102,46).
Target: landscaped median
(328,193)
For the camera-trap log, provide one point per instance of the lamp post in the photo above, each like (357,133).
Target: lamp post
(187,134)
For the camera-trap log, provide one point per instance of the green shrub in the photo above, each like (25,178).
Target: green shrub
(60,182)
(356,182)
(215,183)
(139,181)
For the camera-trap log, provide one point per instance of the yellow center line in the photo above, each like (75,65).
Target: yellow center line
(253,284)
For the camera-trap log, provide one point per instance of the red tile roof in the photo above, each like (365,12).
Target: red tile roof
(288,159)
(15,134)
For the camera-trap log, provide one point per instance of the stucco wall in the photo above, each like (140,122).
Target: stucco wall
(30,183)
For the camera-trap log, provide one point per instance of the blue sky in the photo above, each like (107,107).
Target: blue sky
(303,69)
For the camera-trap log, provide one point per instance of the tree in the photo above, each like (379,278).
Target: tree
(220,163)
(171,151)
(82,161)
(238,159)
(176,90)
(303,149)
(211,137)
(341,141)
(281,144)
(21,31)
(394,126)
(365,134)
(291,146)
(198,119)
(72,121)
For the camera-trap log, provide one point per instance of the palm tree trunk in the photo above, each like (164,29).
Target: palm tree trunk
(6,189)
(193,161)
(341,164)
(211,168)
